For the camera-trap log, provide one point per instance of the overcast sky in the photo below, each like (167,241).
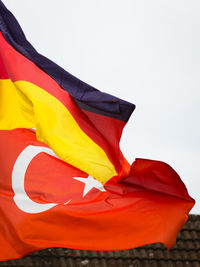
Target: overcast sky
(146,52)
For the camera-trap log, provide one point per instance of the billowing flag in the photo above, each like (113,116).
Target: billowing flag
(68,114)
(45,202)
(66,183)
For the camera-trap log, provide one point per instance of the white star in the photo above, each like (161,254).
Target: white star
(90,182)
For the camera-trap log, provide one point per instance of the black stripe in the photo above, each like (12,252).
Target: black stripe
(123,115)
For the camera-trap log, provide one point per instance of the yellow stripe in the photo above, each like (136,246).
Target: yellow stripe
(15,108)
(25,105)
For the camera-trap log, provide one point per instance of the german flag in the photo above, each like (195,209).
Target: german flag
(81,124)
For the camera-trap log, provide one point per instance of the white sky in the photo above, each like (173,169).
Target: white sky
(146,52)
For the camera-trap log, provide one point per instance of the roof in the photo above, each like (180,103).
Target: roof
(186,252)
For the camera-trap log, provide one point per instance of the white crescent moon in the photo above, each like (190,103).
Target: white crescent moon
(21,199)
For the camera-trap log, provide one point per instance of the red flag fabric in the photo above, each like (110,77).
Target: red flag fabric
(45,202)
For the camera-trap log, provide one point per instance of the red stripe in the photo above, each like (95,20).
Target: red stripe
(3,72)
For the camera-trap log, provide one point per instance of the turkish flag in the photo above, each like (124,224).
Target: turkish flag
(44,202)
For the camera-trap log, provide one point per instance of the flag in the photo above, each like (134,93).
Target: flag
(66,183)
(45,202)
(68,114)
